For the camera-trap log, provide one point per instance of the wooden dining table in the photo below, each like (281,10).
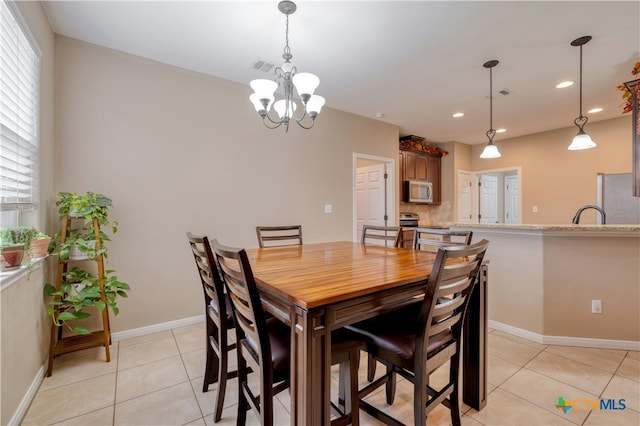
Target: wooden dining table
(317,288)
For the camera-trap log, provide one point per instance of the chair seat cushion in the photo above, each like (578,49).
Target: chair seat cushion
(395,332)
(280,340)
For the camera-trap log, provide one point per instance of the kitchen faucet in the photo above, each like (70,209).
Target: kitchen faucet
(576,218)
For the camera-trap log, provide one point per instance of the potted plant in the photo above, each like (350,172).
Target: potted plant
(80,291)
(11,253)
(40,245)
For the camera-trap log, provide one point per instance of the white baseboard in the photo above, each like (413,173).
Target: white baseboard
(155,328)
(627,345)
(21,410)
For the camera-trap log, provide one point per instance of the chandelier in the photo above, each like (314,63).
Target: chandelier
(490,150)
(581,140)
(288,77)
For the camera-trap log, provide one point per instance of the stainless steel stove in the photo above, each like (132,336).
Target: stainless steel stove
(409,219)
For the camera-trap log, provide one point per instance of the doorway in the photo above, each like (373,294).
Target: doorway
(374,195)
(489,196)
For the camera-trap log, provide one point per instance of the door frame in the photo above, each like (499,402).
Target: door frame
(475,198)
(391,188)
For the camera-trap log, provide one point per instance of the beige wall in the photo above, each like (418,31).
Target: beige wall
(24,323)
(555,179)
(179,151)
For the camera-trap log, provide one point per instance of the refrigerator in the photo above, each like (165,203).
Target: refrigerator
(614,196)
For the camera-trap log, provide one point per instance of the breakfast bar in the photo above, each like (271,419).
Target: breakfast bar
(545,277)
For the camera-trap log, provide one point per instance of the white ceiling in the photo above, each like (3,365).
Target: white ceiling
(416,62)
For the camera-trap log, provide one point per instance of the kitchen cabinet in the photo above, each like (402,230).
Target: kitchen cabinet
(421,166)
(406,238)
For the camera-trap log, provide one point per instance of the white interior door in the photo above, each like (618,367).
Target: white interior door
(488,199)
(511,199)
(465,198)
(370,186)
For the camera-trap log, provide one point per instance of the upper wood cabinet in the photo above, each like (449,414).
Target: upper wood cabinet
(421,166)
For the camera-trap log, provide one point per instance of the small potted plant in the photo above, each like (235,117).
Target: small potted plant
(40,245)
(11,253)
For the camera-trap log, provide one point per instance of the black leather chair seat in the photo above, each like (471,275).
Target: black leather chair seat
(280,340)
(395,333)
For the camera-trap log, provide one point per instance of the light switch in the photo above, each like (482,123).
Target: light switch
(328,208)
(535,209)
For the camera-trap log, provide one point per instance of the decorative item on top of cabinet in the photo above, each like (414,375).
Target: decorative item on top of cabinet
(420,161)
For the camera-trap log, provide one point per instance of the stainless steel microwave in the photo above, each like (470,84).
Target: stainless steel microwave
(418,191)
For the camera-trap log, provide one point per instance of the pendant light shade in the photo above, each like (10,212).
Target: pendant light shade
(490,150)
(582,140)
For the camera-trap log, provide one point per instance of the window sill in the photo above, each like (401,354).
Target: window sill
(9,278)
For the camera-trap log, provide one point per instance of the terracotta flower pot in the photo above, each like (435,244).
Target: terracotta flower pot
(40,248)
(11,257)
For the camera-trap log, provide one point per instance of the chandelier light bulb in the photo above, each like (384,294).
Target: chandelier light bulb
(264,88)
(306,83)
(314,105)
(282,110)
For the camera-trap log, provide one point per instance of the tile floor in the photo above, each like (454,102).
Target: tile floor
(157,380)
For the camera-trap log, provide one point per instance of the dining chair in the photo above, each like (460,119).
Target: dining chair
(219,320)
(430,239)
(379,235)
(272,236)
(388,236)
(264,347)
(416,340)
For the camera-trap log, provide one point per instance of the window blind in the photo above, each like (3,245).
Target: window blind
(19,81)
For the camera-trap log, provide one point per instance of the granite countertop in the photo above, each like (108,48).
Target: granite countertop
(549,227)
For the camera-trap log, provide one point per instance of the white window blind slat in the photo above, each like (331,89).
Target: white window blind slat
(19,87)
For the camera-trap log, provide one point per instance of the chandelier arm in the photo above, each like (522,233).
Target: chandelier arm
(313,121)
(276,123)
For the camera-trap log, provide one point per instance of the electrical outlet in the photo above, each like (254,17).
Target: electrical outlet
(596,306)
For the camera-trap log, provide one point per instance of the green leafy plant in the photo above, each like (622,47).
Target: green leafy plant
(79,291)
(88,206)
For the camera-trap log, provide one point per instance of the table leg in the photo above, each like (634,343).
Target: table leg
(310,369)
(474,357)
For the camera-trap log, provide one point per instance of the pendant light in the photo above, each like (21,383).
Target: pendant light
(289,78)
(581,140)
(490,151)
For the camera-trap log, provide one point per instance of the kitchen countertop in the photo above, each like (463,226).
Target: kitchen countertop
(633,229)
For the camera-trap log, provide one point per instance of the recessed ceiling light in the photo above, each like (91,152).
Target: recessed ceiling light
(564,84)
(458,114)
(501,130)
(379,115)
(594,110)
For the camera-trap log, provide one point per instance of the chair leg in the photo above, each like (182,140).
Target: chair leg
(371,368)
(454,398)
(222,384)
(391,384)
(211,368)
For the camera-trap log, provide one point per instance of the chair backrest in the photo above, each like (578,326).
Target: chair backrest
(272,236)
(388,236)
(454,273)
(251,327)
(430,239)
(212,282)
